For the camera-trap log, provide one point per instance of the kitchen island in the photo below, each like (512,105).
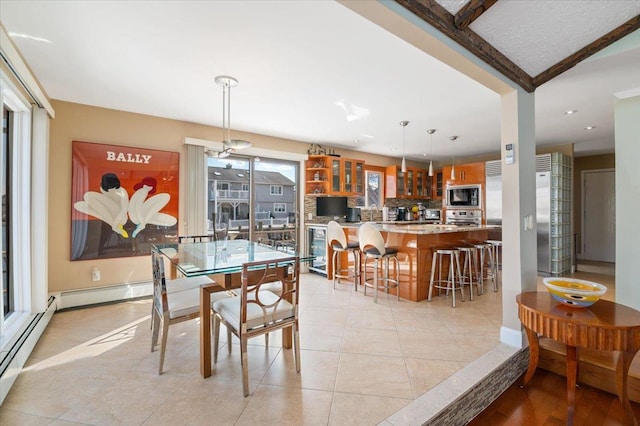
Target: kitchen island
(416,243)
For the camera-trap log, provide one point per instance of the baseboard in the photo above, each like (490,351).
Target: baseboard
(94,296)
(18,352)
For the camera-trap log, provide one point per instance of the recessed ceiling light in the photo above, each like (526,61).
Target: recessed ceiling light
(356,141)
(590,127)
(571,111)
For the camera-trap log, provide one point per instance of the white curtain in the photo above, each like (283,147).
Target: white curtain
(196,191)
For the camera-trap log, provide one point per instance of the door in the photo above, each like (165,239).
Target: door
(255,199)
(599,215)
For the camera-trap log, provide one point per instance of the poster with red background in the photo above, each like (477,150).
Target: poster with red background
(123,199)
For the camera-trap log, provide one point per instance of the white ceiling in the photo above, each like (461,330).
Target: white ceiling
(315,71)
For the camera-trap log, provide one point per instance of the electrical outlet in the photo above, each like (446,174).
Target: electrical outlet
(310,216)
(95,274)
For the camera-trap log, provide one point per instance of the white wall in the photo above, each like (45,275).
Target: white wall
(627,134)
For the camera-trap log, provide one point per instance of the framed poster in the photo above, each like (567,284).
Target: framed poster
(122,200)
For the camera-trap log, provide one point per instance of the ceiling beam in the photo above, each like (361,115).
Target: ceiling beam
(438,17)
(470,12)
(571,61)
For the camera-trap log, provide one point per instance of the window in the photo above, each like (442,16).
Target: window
(20,191)
(276,190)
(5,187)
(245,187)
(279,207)
(373,190)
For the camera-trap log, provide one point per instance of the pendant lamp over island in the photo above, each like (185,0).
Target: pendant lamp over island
(453,156)
(431,132)
(404,162)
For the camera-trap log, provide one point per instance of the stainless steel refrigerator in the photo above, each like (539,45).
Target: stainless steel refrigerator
(493,171)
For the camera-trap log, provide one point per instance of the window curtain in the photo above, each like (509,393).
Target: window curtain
(195,191)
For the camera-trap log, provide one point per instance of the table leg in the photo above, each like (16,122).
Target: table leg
(572,376)
(534,353)
(622,370)
(205,331)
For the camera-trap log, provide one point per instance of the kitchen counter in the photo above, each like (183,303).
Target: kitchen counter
(416,243)
(421,227)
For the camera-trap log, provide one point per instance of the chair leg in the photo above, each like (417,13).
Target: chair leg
(334,265)
(155,319)
(375,282)
(433,272)
(216,336)
(296,343)
(244,360)
(266,340)
(163,345)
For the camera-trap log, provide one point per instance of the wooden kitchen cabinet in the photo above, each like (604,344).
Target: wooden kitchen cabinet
(325,174)
(414,183)
(466,174)
(437,185)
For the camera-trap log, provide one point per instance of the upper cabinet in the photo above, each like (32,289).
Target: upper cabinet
(414,183)
(437,185)
(325,174)
(466,174)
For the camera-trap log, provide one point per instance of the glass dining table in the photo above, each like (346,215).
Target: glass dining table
(224,257)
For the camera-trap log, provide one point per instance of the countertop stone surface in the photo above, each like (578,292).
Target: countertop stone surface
(415,227)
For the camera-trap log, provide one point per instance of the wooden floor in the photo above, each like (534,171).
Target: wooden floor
(544,402)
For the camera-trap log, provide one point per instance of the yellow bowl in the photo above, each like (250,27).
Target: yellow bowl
(574,292)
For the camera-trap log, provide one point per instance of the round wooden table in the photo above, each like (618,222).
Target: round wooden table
(605,325)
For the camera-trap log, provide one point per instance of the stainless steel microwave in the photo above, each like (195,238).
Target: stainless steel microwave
(464,197)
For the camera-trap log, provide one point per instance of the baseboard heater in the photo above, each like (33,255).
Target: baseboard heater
(18,352)
(100,295)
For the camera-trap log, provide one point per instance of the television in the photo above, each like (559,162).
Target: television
(331,206)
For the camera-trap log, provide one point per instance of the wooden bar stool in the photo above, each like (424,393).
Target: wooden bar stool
(453,275)
(373,247)
(337,239)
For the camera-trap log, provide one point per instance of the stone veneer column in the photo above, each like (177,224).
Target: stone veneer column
(627,137)
(519,257)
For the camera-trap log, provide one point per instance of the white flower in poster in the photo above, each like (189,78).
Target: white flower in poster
(144,211)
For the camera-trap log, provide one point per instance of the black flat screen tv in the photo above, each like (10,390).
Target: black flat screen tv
(331,206)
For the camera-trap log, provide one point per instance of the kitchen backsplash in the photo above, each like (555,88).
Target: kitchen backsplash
(310,208)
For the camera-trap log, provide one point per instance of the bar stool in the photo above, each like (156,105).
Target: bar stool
(452,276)
(338,242)
(372,246)
(496,251)
(469,274)
(485,253)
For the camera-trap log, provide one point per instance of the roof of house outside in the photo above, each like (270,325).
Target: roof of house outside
(262,177)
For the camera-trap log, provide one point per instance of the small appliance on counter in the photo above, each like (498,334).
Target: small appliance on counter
(353,215)
(403,214)
(433,215)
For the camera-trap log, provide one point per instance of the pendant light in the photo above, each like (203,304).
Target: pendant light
(431,132)
(404,162)
(228,144)
(453,156)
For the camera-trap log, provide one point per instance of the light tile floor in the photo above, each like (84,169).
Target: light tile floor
(361,362)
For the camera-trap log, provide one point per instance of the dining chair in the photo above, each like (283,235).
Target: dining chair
(259,311)
(179,305)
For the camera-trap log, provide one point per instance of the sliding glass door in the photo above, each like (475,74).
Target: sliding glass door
(254,198)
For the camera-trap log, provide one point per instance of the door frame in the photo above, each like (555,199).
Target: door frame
(583,212)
